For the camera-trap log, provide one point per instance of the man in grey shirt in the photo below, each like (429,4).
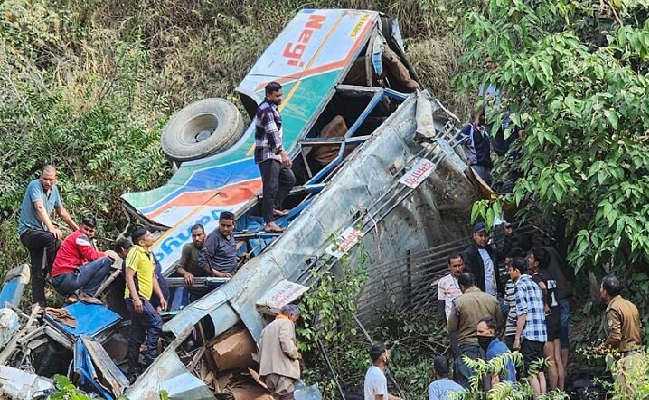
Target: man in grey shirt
(37,232)
(219,253)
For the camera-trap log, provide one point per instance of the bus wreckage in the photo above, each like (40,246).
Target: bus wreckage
(375,161)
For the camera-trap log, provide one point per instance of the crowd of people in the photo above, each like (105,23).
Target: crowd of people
(76,268)
(530,311)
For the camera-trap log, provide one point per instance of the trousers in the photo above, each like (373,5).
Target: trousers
(42,247)
(464,373)
(86,278)
(277,181)
(144,327)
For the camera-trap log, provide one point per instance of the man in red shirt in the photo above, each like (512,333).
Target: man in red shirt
(79,267)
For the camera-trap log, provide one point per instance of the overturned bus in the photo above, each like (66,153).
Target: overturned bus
(375,161)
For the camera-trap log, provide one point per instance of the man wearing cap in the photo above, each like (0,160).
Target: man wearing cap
(37,231)
(375,385)
(482,261)
(624,333)
(279,358)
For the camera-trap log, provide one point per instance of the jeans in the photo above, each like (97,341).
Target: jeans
(42,247)
(565,323)
(146,326)
(277,180)
(87,278)
(463,372)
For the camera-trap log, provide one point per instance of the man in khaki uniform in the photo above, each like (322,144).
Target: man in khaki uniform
(468,309)
(279,357)
(624,334)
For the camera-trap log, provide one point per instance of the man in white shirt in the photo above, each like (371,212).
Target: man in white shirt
(448,290)
(375,386)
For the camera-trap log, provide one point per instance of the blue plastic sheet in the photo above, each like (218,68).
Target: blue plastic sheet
(92,319)
(86,370)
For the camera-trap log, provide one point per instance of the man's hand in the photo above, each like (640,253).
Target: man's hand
(286,161)
(243,257)
(111,254)
(547,310)
(163,304)
(189,278)
(517,343)
(220,274)
(139,307)
(56,232)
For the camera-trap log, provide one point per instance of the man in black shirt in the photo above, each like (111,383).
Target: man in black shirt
(188,264)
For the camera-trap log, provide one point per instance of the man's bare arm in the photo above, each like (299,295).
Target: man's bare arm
(65,216)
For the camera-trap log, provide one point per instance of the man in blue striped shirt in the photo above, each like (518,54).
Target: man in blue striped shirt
(274,163)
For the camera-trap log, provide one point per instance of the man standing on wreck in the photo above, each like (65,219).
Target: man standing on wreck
(279,357)
(37,231)
(274,163)
(141,284)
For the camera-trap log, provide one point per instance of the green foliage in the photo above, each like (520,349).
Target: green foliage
(503,390)
(574,74)
(66,390)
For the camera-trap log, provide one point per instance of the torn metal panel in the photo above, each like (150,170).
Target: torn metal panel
(8,325)
(107,368)
(280,295)
(20,385)
(14,285)
(168,373)
(183,322)
(367,175)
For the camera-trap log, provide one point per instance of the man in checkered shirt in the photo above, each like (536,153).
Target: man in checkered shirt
(274,163)
(531,333)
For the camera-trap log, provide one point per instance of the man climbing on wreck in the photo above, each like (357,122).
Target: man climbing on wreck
(146,324)
(274,163)
(37,231)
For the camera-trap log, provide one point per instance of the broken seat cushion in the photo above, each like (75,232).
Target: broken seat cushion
(91,319)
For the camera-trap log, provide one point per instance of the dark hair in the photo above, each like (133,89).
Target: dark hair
(612,285)
(477,110)
(227,215)
(376,351)
(525,241)
(89,221)
(516,252)
(122,243)
(138,233)
(490,322)
(466,279)
(198,226)
(272,87)
(519,264)
(453,257)
(541,256)
(440,364)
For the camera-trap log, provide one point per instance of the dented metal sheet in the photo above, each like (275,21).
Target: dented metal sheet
(365,176)
(168,373)
(280,295)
